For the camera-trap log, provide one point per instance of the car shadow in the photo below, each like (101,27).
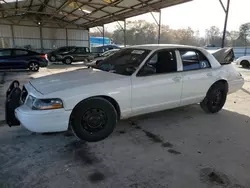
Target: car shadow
(187,132)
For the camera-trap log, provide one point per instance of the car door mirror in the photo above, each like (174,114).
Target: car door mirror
(130,70)
(147,70)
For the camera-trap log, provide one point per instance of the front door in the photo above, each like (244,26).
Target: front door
(158,85)
(197,76)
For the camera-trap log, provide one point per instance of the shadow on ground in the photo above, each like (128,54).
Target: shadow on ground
(183,147)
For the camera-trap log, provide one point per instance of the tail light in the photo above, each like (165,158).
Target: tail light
(43,56)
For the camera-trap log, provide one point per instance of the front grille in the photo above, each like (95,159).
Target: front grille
(24,94)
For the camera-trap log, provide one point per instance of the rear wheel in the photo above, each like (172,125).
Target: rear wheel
(245,64)
(67,61)
(93,119)
(34,66)
(215,99)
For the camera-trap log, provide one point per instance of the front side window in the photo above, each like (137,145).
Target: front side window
(193,60)
(163,61)
(20,52)
(124,62)
(5,53)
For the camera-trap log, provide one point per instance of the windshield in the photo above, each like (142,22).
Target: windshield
(124,62)
(108,53)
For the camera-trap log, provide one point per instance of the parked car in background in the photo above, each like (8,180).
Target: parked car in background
(52,55)
(100,49)
(134,81)
(16,58)
(75,55)
(101,57)
(244,61)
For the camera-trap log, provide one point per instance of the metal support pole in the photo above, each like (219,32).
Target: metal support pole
(159,28)
(225,25)
(12,35)
(125,34)
(103,34)
(41,38)
(67,39)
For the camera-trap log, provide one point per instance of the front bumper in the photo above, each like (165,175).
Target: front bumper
(42,121)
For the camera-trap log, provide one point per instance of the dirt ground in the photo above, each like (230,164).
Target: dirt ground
(180,148)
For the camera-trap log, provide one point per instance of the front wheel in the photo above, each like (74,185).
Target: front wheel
(215,99)
(94,119)
(34,66)
(67,61)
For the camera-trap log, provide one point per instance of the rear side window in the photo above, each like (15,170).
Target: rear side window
(193,60)
(20,52)
(81,50)
(5,53)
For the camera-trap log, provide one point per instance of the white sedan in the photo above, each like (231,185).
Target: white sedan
(134,81)
(244,61)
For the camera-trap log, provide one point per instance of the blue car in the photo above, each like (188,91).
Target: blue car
(15,58)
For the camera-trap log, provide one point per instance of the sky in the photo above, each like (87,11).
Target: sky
(200,15)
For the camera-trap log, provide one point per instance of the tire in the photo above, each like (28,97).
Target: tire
(34,66)
(94,119)
(215,98)
(245,64)
(67,61)
(52,58)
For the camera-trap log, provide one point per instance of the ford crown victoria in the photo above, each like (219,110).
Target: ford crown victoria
(134,81)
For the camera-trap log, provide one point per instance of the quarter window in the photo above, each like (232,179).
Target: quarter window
(193,60)
(20,52)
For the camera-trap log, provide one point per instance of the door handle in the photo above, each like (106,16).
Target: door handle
(176,78)
(209,74)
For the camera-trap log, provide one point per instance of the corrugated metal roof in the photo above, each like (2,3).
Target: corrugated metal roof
(83,13)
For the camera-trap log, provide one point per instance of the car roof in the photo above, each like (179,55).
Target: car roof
(161,46)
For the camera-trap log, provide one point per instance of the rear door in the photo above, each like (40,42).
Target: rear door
(80,54)
(197,76)
(20,58)
(5,59)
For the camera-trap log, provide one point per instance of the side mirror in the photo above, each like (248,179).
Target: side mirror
(130,70)
(147,70)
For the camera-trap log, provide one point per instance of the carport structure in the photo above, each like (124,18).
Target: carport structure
(45,24)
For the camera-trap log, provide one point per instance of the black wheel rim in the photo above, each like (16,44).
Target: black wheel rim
(217,98)
(94,120)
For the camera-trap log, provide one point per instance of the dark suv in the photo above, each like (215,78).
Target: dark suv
(64,49)
(76,54)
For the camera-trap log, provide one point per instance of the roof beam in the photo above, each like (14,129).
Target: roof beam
(141,10)
(44,4)
(65,3)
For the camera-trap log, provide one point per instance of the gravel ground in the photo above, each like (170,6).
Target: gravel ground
(177,148)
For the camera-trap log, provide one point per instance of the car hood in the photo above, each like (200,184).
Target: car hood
(72,79)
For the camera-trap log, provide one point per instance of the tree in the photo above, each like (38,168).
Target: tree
(244,32)
(213,36)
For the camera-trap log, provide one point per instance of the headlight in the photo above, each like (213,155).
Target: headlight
(45,104)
